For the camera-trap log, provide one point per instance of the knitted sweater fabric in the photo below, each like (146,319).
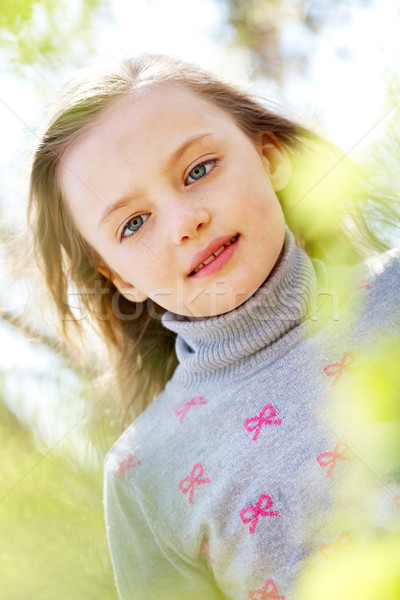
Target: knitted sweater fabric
(247,464)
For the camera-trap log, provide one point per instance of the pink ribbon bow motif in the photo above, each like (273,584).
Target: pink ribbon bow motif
(340,452)
(126,463)
(343,543)
(337,368)
(255,423)
(193,479)
(205,550)
(269,591)
(251,514)
(361,284)
(182,410)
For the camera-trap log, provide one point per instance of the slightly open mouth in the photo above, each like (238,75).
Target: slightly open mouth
(214,255)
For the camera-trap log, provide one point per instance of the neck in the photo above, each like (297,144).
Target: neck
(218,344)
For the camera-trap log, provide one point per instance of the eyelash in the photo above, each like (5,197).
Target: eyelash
(212,162)
(125,226)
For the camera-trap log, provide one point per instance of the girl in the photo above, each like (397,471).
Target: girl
(170,198)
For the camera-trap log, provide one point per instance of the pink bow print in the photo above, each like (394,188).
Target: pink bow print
(255,423)
(192,480)
(336,369)
(339,452)
(182,410)
(251,514)
(205,550)
(361,284)
(343,543)
(125,464)
(268,592)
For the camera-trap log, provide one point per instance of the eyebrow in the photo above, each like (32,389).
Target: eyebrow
(179,152)
(175,157)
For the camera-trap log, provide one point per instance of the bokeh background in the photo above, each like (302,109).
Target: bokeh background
(335,63)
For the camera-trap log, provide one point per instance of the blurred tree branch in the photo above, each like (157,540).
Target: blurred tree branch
(265,28)
(36,37)
(56,345)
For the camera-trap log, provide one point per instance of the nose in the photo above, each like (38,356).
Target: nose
(186,221)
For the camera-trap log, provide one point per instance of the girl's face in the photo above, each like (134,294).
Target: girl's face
(178,201)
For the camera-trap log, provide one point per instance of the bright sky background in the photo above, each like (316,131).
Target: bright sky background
(344,91)
(344,86)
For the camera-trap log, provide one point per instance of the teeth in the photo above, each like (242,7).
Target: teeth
(208,260)
(198,268)
(214,255)
(219,251)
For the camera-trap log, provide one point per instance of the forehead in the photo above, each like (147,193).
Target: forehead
(154,111)
(138,131)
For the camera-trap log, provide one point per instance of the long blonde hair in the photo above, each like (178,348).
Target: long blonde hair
(142,348)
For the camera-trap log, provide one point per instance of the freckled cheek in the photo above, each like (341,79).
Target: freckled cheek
(238,195)
(254,202)
(267,198)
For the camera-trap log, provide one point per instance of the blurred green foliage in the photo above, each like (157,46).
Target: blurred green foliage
(359,564)
(52,532)
(39,32)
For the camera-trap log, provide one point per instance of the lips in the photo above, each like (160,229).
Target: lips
(210,253)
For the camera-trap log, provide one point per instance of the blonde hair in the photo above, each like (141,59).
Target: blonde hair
(141,346)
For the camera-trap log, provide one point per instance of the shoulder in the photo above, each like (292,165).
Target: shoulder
(385,268)
(128,448)
(120,454)
(382,278)
(141,448)
(374,293)
(127,468)
(377,273)
(366,294)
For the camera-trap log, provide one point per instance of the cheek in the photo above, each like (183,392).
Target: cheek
(258,201)
(145,269)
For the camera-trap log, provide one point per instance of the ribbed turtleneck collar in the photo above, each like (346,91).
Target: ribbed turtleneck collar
(213,344)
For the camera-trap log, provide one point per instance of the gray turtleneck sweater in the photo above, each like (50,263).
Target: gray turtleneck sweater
(250,461)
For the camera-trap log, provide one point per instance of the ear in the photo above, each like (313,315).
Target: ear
(128,290)
(276,160)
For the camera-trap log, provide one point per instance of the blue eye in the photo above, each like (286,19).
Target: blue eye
(200,171)
(133,225)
